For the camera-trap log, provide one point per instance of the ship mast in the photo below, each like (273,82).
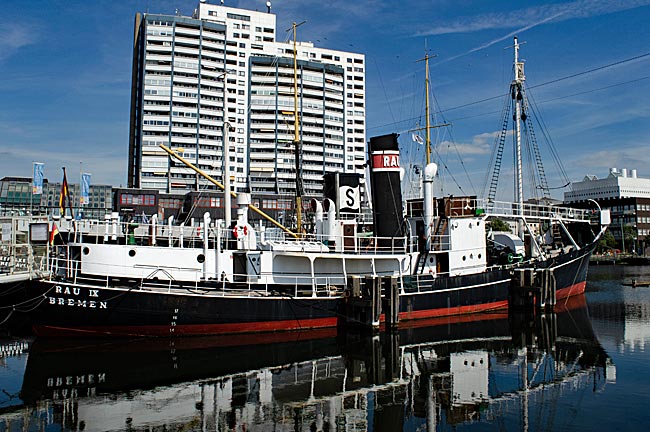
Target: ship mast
(296,134)
(428,125)
(426,89)
(516,90)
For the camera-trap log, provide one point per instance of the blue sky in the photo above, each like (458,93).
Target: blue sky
(66,70)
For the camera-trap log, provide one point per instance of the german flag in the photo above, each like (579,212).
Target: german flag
(65,194)
(53,233)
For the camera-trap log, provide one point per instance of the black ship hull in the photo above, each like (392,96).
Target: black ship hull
(72,309)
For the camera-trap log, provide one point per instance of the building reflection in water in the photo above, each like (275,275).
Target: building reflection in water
(446,372)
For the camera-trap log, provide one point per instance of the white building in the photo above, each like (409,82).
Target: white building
(626,195)
(223,64)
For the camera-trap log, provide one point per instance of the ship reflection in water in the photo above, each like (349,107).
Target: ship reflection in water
(485,368)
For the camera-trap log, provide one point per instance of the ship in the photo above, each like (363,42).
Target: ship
(419,259)
(456,371)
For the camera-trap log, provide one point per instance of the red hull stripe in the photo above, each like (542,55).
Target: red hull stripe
(458,310)
(457,319)
(570,291)
(179,330)
(432,317)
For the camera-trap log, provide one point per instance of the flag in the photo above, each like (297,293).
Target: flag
(65,195)
(417,138)
(53,233)
(85,189)
(37,184)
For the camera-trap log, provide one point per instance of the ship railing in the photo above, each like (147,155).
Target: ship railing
(534,211)
(162,279)
(360,243)
(23,247)
(100,232)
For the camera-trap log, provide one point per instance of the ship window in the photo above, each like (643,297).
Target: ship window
(86,251)
(200,258)
(464,257)
(132,253)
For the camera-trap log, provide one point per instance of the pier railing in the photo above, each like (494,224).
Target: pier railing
(23,248)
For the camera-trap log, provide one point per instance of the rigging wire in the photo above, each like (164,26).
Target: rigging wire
(600,68)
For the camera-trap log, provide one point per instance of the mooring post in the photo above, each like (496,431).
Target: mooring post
(375,301)
(391,302)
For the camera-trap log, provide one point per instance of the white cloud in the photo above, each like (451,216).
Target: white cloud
(14,36)
(599,162)
(480,144)
(526,19)
(533,16)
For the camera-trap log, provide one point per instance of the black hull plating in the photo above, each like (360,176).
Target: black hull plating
(76,310)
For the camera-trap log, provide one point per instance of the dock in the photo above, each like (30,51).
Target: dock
(24,248)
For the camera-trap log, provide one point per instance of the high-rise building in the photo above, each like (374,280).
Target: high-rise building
(191,75)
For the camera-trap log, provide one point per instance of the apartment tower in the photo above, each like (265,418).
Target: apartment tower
(223,65)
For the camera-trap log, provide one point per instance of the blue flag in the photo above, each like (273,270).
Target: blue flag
(37,185)
(85,189)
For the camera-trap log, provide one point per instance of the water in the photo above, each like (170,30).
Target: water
(582,368)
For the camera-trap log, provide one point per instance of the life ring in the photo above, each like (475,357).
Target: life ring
(235,231)
(198,231)
(245,230)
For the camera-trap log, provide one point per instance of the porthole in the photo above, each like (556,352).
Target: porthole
(479,256)
(464,257)
(132,252)
(471,256)
(200,258)
(86,251)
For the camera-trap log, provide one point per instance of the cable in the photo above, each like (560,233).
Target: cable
(531,87)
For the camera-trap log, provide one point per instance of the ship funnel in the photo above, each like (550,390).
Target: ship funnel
(385,185)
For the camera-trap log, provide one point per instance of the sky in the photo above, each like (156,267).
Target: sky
(66,79)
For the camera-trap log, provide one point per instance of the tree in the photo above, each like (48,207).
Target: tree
(629,233)
(607,242)
(499,225)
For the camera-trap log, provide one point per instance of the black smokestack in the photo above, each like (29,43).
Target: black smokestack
(385,183)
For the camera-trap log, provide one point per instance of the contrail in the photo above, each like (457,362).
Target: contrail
(502,38)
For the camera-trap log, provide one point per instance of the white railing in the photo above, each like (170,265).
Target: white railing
(300,285)
(514,210)
(19,255)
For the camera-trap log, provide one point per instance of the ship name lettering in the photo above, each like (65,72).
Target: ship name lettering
(93,293)
(78,303)
(60,290)
(76,380)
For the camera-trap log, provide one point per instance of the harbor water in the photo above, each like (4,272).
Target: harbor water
(582,368)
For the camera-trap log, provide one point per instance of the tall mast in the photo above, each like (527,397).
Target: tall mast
(428,125)
(426,89)
(517,95)
(296,134)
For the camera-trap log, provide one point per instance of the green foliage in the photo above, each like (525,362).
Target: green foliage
(629,233)
(606,243)
(499,225)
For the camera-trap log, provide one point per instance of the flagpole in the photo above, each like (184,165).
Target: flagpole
(31,195)
(80,186)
